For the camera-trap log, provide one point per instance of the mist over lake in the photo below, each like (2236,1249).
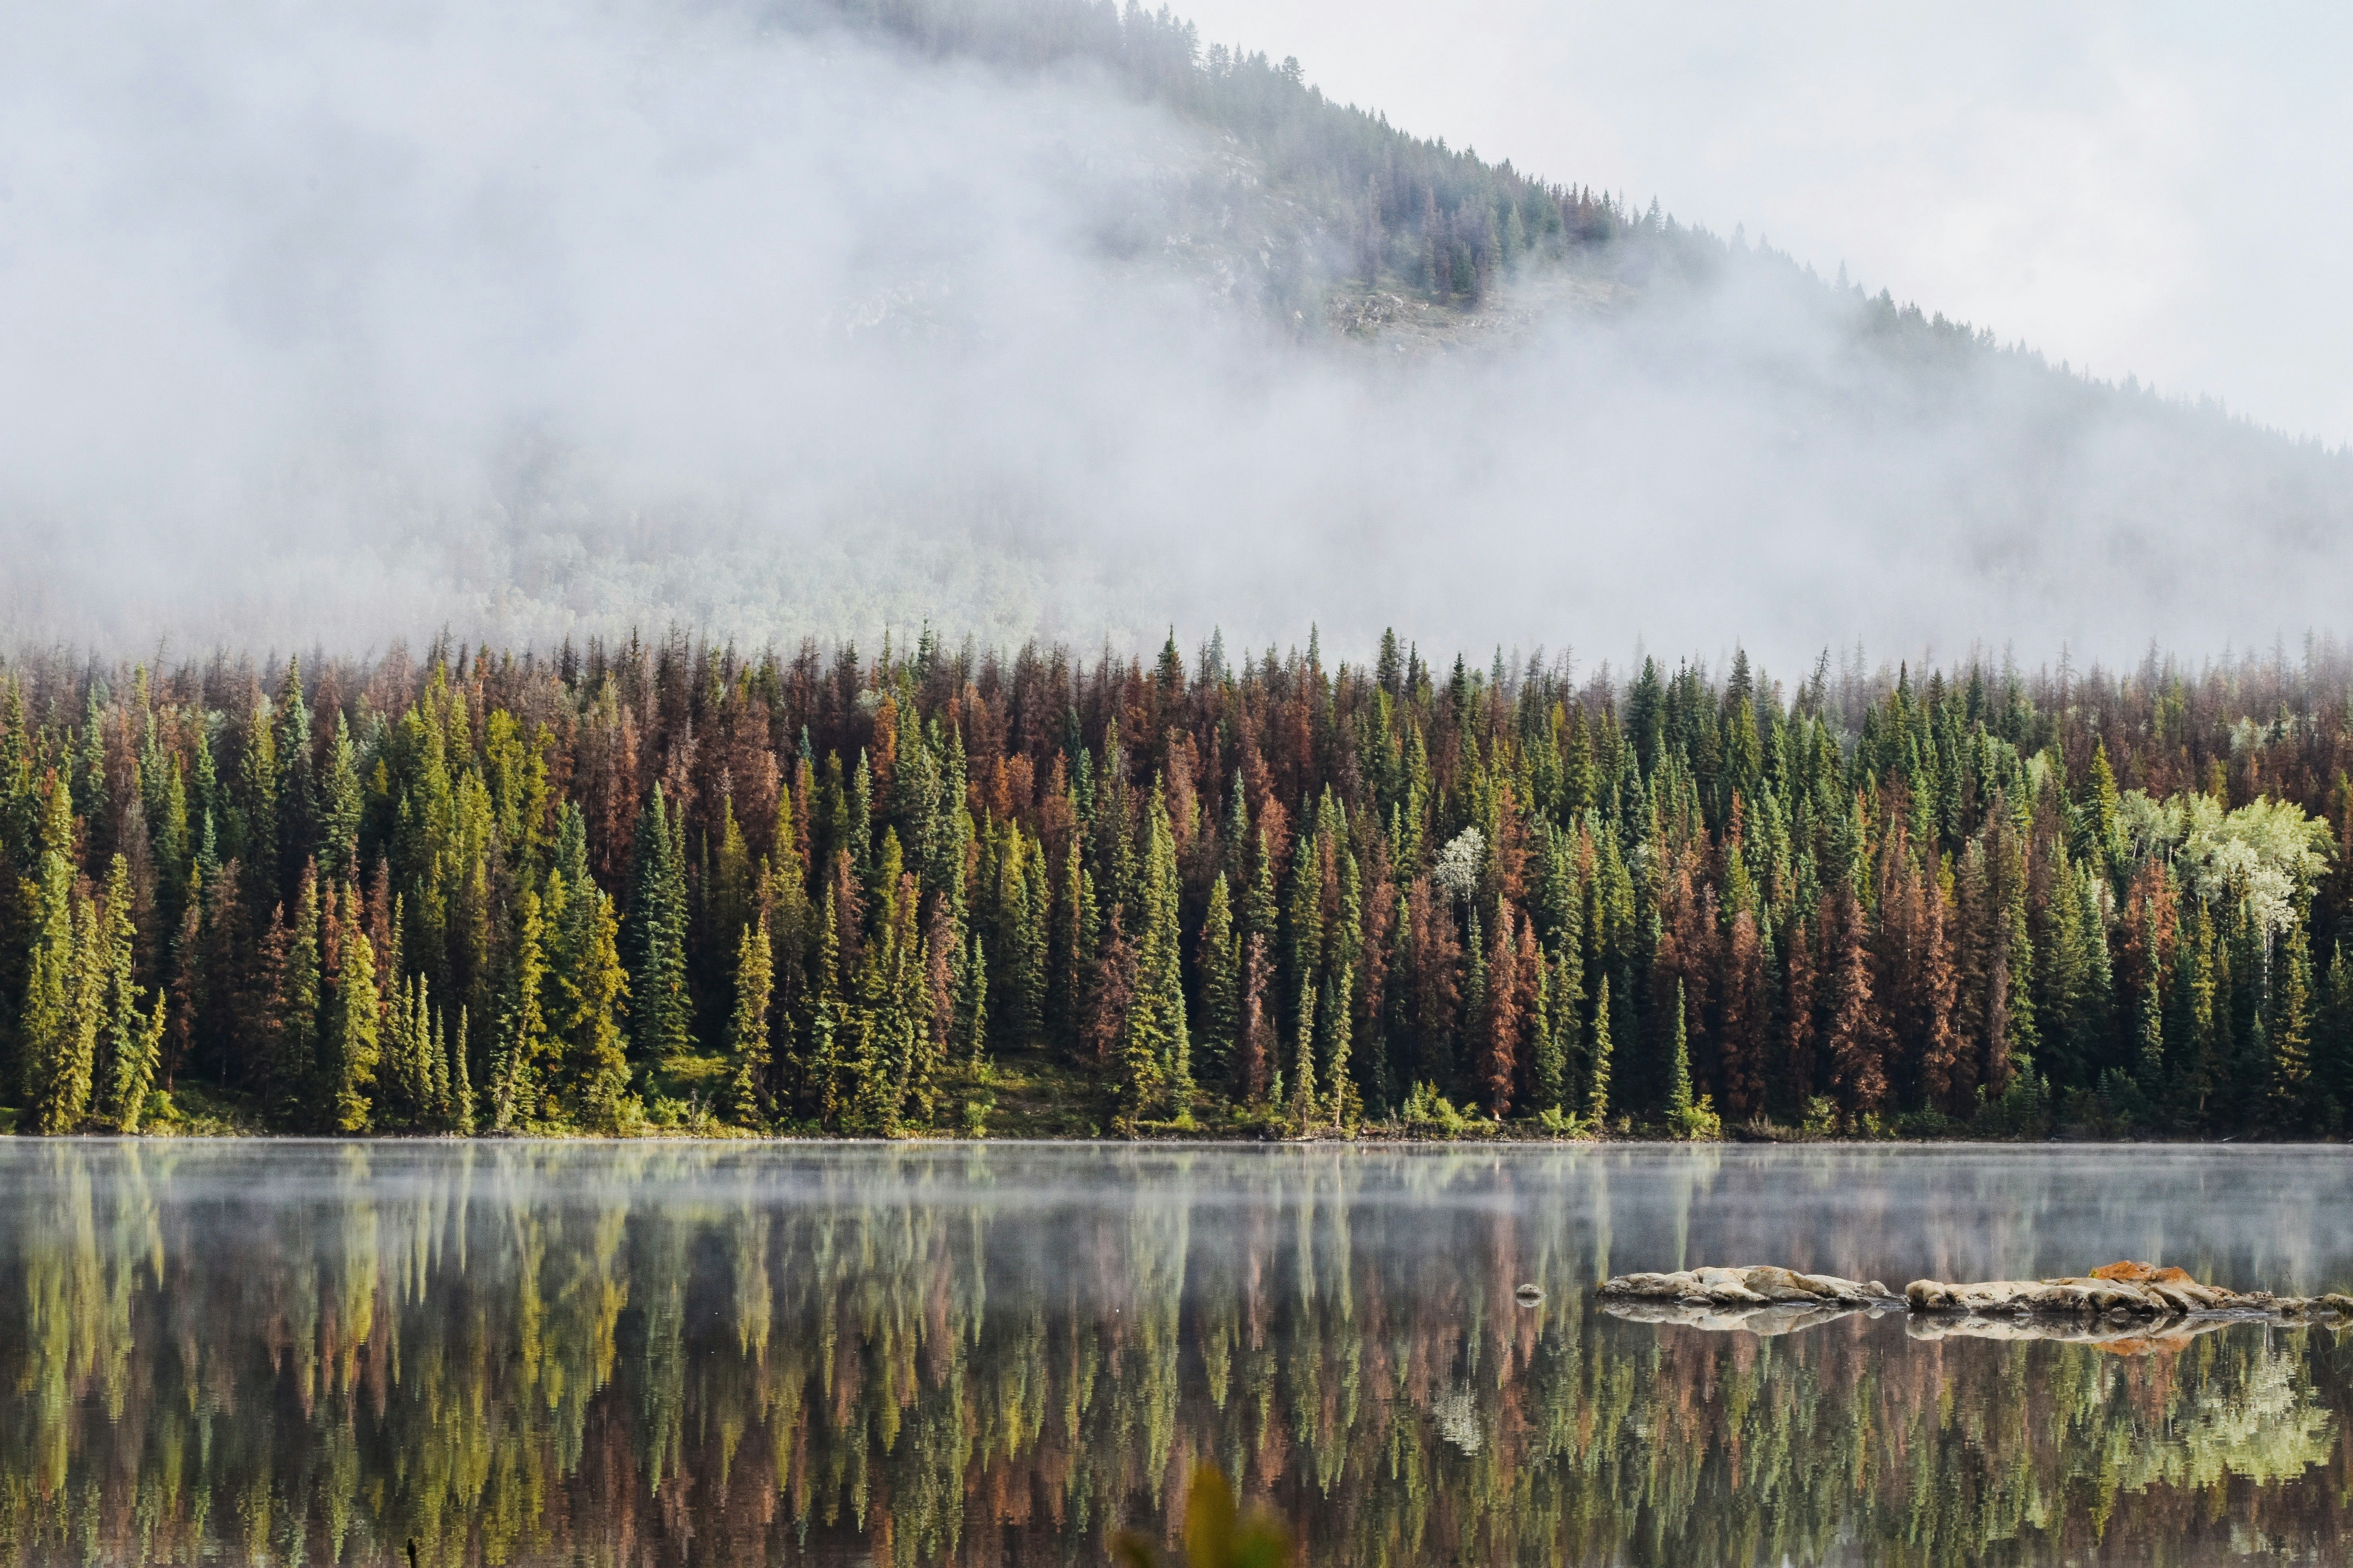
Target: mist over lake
(693,1353)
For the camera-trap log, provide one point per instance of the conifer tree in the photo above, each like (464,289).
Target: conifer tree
(291,1071)
(2291,1033)
(660,1011)
(255,841)
(747,1030)
(1336,1029)
(1597,1076)
(1027,986)
(66,1059)
(527,1047)
(1499,1068)
(1260,914)
(1155,1046)
(294,787)
(592,995)
(131,1036)
(1680,1104)
(1858,1064)
(731,889)
(2148,1016)
(1076,951)
(353,1034)
(859,829)
(972,1004)
(340,801)
(462,1087)
(1549,1071)
(1254,1033)
(1217,960)
(46,1024)
(1017,922)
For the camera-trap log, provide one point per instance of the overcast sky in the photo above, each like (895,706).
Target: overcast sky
(2154,188)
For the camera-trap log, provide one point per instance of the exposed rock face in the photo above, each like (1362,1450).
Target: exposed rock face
(1752,1286)
(2119,1291)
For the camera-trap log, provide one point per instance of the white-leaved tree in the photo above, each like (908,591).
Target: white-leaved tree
(1457,868)
(2257,861)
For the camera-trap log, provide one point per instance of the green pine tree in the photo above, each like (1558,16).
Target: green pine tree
(130,1037)
(1156,1048)
(53,1027)
(747,1028)
(1219,962)
(1596,1077)
(528,1048)
(2291,1033)
(353,1034)
(662,1012)
(1679,1079)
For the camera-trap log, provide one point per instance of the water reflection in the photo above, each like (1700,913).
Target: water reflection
(317,1353)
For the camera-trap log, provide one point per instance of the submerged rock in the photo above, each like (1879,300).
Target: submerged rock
(1779,1318)
(2139,1336)
(1750,1286)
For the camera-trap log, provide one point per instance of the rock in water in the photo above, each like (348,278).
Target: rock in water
(2124,1290)
(1752,1286)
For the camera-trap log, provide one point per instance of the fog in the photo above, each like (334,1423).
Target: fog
(345,324)
(2248,1218)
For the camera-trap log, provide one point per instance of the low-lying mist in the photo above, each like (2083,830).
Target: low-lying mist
(345,324)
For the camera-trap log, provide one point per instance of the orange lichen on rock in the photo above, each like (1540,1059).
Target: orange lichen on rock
(2139,1273)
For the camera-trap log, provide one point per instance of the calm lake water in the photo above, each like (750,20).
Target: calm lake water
(317,1353)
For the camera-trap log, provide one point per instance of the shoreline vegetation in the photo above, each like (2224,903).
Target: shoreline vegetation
(662,886)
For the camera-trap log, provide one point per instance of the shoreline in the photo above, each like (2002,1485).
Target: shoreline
(1370,1143)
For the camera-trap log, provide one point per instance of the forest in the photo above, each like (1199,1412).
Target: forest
(663,885)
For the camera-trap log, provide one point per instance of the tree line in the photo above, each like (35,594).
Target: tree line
(815,891)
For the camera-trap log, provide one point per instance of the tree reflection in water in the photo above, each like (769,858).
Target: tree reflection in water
(656,1353)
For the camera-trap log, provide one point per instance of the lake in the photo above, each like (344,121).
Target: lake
(685,1352)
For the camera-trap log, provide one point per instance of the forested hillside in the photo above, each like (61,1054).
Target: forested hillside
(1395,208)
(1391,209)
(656,884)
